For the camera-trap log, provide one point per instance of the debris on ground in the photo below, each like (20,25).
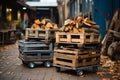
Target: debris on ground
(110,67)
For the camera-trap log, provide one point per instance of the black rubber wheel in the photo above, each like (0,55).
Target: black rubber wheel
(48,64)
(58,69)
(31,65)
(79,72)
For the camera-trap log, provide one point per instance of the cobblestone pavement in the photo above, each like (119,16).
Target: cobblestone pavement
(11,68)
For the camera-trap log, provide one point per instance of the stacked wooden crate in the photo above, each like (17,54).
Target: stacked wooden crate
(79,39)
(76,49)
(38,46)
(45,30)
(75,58)
(30,51)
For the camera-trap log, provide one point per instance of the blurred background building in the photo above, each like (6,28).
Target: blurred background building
(25,11)
(45,9)
(100,11)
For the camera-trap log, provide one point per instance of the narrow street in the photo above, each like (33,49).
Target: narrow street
(11,68)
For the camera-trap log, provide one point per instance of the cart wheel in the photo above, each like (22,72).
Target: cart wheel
(48,64)
(95,68)
(58,69)
(31,65)
(24,62)
(79,72)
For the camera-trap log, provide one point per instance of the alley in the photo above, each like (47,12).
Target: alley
(11,68)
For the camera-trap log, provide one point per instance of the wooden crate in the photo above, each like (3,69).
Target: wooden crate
(80,38)
(40,33)
(35,51)
(75,58)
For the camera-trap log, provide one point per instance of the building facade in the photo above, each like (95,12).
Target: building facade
(100,11)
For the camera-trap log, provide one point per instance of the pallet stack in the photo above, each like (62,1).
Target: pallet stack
(38,46)
(76,58)
(44,30)
(77,47)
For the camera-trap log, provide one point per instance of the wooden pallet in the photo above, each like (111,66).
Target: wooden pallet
(35,51)
(80,38)
(75,58)
(40,33)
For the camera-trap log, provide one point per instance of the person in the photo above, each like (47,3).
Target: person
(35,25)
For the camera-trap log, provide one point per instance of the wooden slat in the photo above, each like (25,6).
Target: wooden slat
(88,63)
(89,56)
(65,51)
(63,63)
(65,56)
